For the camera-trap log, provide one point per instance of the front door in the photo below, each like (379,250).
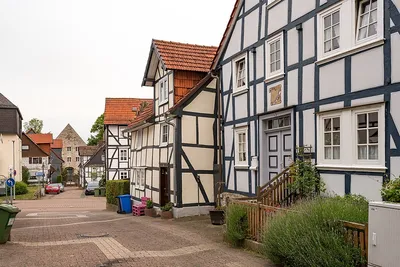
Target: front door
(279,152)
(164,186)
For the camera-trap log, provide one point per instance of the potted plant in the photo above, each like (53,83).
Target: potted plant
(166,211)
(217,215)
(149,211)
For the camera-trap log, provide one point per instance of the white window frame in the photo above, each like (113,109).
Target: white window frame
(69,159)
(349,44)
(163,91)
(139,177)
(121,174)
(358,15)
(349,140)
(330,14)
(273,74)
(162,134)
(121,156)
(238,162)
(235,62)
(139,139)
(272,3)
(25,147)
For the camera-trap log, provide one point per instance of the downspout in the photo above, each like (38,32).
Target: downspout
(219,119)
(174,149)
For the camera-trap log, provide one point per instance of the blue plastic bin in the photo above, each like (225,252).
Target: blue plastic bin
(125,203)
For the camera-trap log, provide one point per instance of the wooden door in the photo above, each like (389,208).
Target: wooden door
(164,186)
(279,152)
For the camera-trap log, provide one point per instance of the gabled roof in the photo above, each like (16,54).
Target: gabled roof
(87,150)
(69,133)
(99,149)
(118,111)
(57,143)
(35,144)
(7,104)
(227,33)
(42,138)
(178,56)
(145,116)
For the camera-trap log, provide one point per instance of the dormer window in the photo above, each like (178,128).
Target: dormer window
(163,90)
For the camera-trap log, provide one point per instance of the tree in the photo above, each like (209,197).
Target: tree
(25,174)
(35,124)
(97,130)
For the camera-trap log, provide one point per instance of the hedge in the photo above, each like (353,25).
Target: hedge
(21,188)
(237,224)
(115,188)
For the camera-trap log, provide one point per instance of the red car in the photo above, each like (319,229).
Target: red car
(52,188)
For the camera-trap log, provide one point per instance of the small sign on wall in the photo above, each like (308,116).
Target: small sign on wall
(276,95)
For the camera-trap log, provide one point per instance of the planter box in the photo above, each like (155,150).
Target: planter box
(217,217)
(166,214)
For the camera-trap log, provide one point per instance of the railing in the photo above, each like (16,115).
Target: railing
(357,235)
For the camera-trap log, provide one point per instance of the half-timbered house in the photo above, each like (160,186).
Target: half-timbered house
(174,139)
(85,153)
(317,73)
(118,113)
(94,167)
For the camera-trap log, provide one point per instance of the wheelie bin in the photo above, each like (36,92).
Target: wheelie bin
(7,218)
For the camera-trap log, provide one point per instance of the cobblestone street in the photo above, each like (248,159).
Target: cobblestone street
(73,230)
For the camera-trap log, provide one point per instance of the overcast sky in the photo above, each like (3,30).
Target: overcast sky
(59,59)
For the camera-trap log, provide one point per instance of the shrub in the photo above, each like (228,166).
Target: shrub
(21,188)
(59,179)
(149,204)
(391,191)
(312,235)
(167,207)
(25,174)
(236,224)
(116,188)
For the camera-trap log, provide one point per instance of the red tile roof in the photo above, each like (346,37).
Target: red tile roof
(179,56)
(145,115)
(42,138)
(118,111)
(57,143)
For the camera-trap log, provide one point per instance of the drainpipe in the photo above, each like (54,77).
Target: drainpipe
(174,149)
(219,133)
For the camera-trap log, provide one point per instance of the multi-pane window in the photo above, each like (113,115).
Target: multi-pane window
(123,156)
(77,159)
(241,147)
(69,148)
(124,175)
(35,160)
(69,159)
(241,73)
(332,138)
(275,55)
(139,177)
(367,20)
(25,147)
(332,31)
(367,136)
(76,149)
(164,134)
(163,91)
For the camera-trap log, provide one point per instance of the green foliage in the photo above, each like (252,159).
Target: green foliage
(391,191)
(167,207)
(236,224)
(21,188)
(59,179)
(35,124)
(64,174)
(97,130)
(25,174)
(115,188)
(149,204)
(102,182)
(312,235)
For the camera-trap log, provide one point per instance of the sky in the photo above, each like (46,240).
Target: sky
(60,59)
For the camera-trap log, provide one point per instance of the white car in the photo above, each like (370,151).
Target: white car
(61,187)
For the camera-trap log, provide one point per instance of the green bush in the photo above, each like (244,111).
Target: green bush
(59,179)
(115,188)
(21,188)
(237,225)
(391,191)
(312,235)
(25,174)
(149,204)
(167,207)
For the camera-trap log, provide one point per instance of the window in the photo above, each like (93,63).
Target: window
(139,139)
(352,138)
(121,133)
(25,147)
(332,138)
(164,135)
(69,159)
(35,160)
(69,148)
(123,175)
(163,86)
(123,154)
(76,149)
(77,159)
(367,136)
(240,74)
(241,157)
(332,31)
(139,177)
(274,56)
(367,20)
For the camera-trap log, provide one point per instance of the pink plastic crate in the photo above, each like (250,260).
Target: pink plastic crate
(144,200)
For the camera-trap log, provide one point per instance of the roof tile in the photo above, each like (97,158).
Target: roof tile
(119,110)
(146,114)
(42,138)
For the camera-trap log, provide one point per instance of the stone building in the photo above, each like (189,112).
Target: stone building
(70,152)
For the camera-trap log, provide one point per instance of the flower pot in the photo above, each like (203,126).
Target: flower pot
(149,212)
(217,217)
(166,214)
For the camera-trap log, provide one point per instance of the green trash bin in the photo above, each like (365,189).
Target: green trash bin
(97,192)
(7,217)
(103,191)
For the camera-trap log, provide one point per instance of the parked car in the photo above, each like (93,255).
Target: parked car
(52,188)
(91,187)
(61,187)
